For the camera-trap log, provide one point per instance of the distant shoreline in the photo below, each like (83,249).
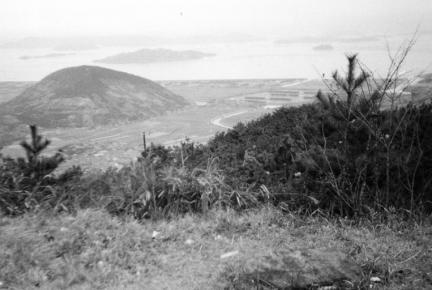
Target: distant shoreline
(192,80)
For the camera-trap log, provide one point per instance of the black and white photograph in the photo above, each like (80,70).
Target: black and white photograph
(216,144)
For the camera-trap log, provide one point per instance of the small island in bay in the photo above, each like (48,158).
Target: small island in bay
(323,47)
(153,55)
(50,55)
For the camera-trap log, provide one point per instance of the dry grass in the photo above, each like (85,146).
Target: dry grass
(93,250)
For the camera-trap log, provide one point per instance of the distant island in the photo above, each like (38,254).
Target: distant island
(50,55)
(323,47)
(153,55)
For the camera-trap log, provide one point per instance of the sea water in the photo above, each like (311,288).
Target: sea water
(252,60)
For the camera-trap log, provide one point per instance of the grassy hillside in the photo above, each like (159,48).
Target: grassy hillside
(93,250)
(88,96)
(84,96)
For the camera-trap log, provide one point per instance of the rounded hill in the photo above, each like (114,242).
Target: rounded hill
(90,95)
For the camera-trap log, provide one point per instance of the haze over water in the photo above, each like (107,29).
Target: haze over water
(245,60)
(228,27)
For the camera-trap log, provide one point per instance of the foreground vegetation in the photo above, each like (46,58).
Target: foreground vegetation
(92,250)
(354,153)
(352,171)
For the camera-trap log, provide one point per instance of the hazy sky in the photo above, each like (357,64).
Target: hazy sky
(22,18)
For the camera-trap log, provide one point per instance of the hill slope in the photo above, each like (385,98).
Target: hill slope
(89,95)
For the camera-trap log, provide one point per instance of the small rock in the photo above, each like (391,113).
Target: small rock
(100,264)
(328,288)
(375,279)
(189,242)
(63,229)
(155,234)
(229,254)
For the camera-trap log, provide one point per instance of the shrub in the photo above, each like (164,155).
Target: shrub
(29,183)
(355,151)
(165,182)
